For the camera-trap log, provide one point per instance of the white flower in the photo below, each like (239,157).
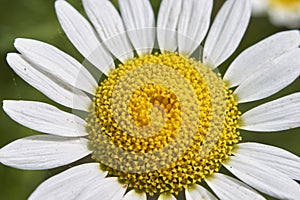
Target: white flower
(281,12)
(258,72)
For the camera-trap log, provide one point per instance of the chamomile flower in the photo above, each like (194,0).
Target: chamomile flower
(281,12)
(161,122)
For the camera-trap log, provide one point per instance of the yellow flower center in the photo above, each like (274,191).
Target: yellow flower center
(162,122)
(289,5)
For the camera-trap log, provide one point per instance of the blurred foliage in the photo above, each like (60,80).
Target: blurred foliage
(36,19)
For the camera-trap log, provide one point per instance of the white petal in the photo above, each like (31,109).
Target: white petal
(226,32)
(132,195)
(198,192)
(68,184)
(272,78)
(45,118)
(166,197)
(109,26)
(279,159)
(277,115)
(54,89)
(104,189)
(263,53)
(193,24)
(167,22)
(83,36)
(263,178)
(43,152)
(139,20)
(229,188)
(57,63)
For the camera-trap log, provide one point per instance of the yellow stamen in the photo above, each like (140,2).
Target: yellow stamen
(288,5)
(166,115)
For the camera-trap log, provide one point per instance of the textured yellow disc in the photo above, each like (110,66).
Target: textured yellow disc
(162,122)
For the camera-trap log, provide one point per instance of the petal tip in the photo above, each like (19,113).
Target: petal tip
(5,105)
(20,42)
(9,56)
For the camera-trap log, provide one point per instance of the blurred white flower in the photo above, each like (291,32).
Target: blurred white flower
(281,12)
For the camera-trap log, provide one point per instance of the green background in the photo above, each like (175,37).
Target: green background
(36,19)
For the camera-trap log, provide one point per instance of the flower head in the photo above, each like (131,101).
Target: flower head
(160,121)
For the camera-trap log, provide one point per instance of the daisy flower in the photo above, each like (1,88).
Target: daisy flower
(281,12)
(159,123)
